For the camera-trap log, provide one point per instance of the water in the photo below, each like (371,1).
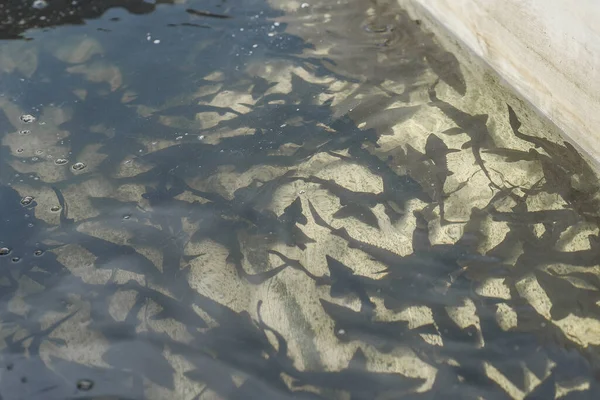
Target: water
(281,200)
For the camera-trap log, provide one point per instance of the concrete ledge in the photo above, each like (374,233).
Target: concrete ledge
(547,50)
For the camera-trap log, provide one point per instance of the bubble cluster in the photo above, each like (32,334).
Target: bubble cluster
(27,118)
(27,200)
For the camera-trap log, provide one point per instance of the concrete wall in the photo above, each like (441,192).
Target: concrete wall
(548,50)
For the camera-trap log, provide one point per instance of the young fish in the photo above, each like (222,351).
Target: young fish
(473,125)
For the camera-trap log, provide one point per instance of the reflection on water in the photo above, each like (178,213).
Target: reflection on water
(252,200)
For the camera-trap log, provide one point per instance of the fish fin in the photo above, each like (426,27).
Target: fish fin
(361,213)
(513,119)
(293,213)
(317,218)
(358,362)
(428,329)
(64,209)
(454,131)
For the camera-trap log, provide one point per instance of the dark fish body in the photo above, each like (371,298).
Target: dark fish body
(398,188)
(446,66)
(511,155)
(203,13)
(537,217)
(437,151)
(359,381)
(354,204)
(473,125)
(344,281)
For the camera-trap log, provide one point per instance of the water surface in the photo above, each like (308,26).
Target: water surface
(281,200)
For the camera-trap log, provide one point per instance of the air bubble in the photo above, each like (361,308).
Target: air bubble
(85,385)
(61,161)
(24,132)
(19,150)
(15,259)
(55,208)
(38,253)
(78,166)
(27,118)
(40,4)
(27,200)
(4,251)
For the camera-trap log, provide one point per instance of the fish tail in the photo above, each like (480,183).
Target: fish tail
(64,208)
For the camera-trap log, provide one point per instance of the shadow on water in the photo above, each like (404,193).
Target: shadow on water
(200,200)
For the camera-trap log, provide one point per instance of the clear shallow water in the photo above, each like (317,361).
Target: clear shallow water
(251,200)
